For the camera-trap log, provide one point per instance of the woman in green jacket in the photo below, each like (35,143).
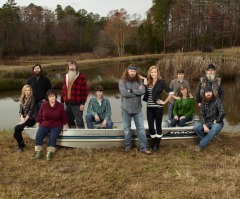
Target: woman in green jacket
(183,109)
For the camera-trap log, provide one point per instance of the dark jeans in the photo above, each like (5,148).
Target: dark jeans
(37,106)
(180,123)
(91,120)
(18,131)
(155,114)
(43,131)
(74,113)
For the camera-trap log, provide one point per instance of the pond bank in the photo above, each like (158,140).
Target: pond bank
(194,63)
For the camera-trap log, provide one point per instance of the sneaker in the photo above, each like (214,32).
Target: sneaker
(127,149)
(20,150)
(196,149)
(147,152)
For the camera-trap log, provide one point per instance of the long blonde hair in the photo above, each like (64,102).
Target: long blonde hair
(149,78)
(23,99)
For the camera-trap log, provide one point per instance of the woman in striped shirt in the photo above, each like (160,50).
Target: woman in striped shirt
(154,88)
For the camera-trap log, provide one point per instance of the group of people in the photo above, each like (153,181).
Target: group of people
(209,96)
(38,104)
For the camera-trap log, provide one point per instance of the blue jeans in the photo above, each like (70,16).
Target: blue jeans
(181,122)
(74,113)
(91,120)
(206,138)
(43,131)
(138,119)
(170,111)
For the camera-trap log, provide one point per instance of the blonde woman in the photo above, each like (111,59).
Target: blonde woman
(155,86)
(26,115)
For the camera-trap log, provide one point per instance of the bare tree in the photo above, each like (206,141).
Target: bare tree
(120,29)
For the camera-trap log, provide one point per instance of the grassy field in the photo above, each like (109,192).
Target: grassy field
(173,172)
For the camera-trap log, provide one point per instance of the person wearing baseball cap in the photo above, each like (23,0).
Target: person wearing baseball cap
(211,119)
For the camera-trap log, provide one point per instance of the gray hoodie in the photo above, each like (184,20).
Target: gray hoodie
(131,101)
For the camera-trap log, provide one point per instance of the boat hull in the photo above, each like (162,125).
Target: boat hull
(108,138)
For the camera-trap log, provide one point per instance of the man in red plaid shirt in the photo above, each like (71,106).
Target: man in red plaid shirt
(74,94)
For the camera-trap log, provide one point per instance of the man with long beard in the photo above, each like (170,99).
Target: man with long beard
(210,80)
(40,84)
(211,119)
(74,94)
(131,88)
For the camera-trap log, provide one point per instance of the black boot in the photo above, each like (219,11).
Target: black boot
(158,140)
(154,143)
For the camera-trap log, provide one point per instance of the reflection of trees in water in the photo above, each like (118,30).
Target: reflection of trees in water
(231,101)
(116,69)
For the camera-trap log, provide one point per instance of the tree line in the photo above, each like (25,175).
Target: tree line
(170,25)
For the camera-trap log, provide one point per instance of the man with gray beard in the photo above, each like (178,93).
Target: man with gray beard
(74,95)
(210,80)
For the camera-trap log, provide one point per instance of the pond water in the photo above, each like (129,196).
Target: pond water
(9,106)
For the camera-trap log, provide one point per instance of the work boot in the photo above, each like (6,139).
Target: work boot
(158,140)
(38,153)
(153,148)
(50,151)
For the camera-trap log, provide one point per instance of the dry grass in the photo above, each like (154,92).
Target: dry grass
(49,61)
(173,172)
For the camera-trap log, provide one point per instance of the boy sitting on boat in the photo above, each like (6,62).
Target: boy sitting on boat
(99,110)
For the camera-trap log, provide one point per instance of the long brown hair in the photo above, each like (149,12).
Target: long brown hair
(126,77)
(149,78)
(23,99)
(182,88)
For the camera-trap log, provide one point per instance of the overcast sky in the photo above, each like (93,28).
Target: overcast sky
(101,7)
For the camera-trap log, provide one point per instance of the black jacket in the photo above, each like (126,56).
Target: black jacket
(157,90)
(39,86)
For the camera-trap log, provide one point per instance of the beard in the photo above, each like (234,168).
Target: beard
(37,74)
(208,98)
(132,78)
(71,75)
(211,77)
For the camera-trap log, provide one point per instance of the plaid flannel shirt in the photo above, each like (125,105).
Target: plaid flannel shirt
(103,111)
(79,90)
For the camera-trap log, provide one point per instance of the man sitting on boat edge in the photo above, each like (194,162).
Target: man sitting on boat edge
(99,110)
(211,119)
